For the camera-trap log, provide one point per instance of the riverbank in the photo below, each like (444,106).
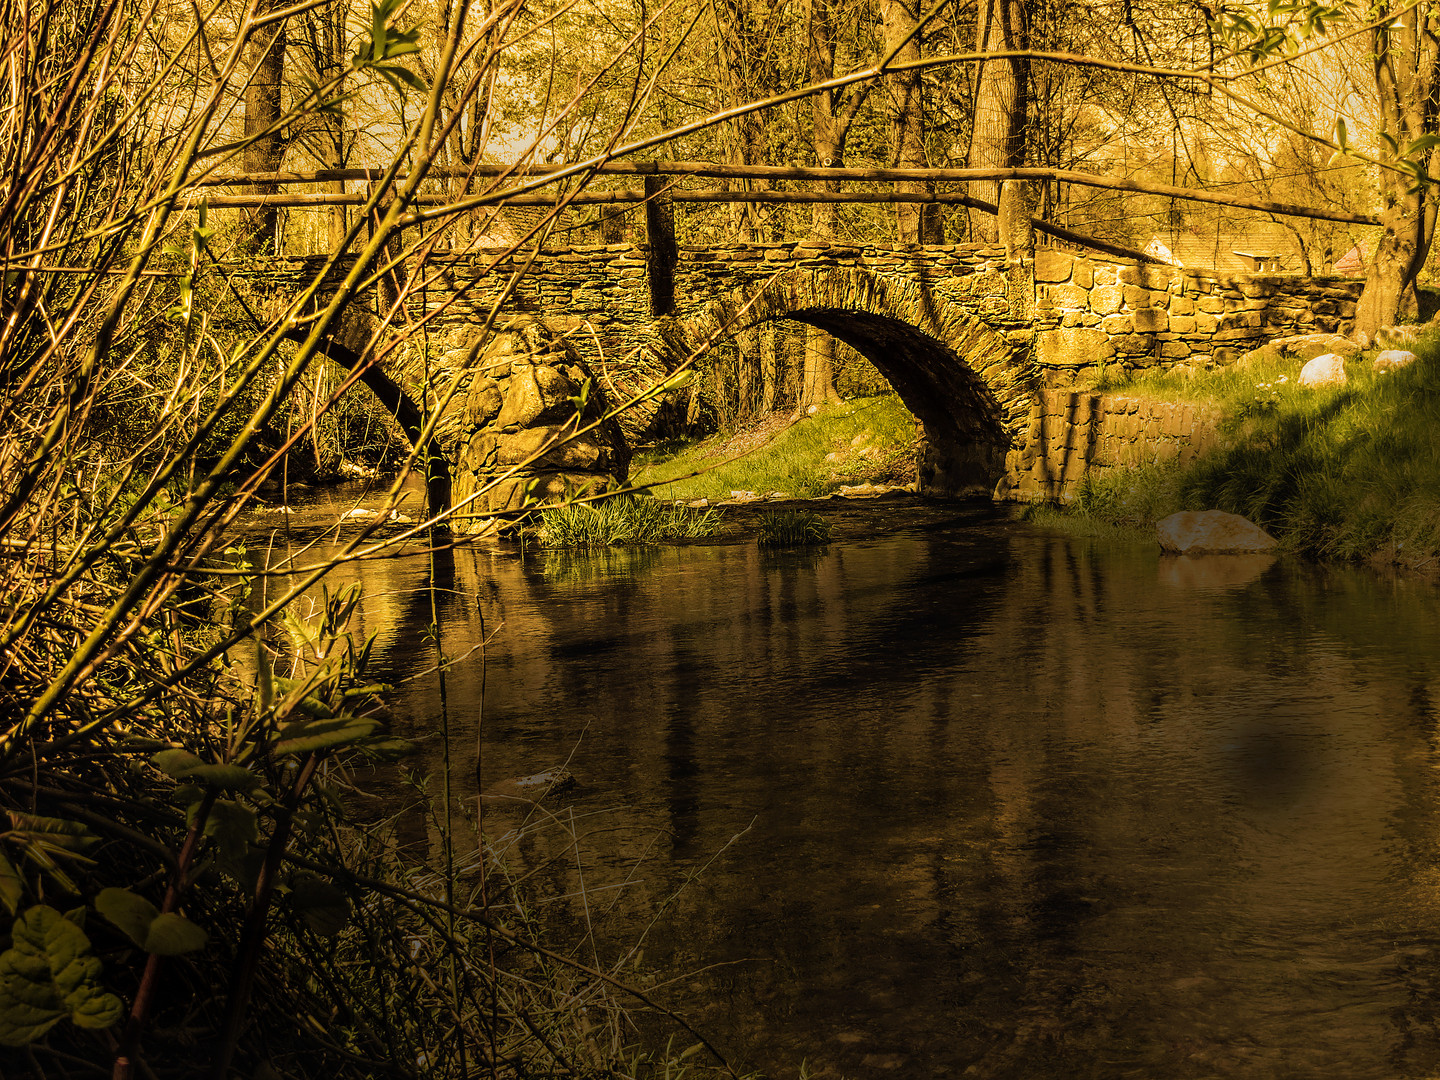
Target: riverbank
(1348,472)
(869,440)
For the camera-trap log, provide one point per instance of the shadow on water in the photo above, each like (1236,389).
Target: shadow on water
(1016,806)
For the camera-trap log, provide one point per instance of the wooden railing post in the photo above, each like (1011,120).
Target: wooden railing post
(663,252)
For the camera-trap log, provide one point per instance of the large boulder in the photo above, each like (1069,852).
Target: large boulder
(1394,359)
(1211,532)
(1327,369)
(514,444)
(1303,347)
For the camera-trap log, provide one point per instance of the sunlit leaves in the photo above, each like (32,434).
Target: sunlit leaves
(1284,26)
(47,975)
(379,51)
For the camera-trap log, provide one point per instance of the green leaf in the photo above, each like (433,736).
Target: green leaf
(232,827)
(174,935)
(1421,145)
(131,913)
(48,974)
(308,736)
(12,886)
(52,832)
(183,765)
(141,921)
(1342,136)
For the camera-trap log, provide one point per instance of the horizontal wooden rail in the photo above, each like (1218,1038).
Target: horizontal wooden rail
(802,172)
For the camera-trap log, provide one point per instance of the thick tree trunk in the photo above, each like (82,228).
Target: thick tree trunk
(997,138)
(916,223)
(265,52)
(1407,72)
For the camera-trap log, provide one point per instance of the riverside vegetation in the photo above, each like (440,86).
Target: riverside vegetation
(864,439)
(1346,472)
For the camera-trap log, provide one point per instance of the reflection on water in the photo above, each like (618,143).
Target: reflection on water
(1016,807)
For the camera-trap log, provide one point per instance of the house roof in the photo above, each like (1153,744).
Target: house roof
(1227,251)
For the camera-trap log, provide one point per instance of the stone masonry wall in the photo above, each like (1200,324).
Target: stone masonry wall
(1072,433)
(1091,312)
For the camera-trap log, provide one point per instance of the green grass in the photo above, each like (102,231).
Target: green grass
(794,460)
(623,520)
(793,528)
(1350,472)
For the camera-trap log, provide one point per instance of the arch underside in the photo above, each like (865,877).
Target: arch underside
(965,438)
(955,373)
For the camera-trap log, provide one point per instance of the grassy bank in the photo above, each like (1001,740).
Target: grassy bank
(863,440)
(1349,472)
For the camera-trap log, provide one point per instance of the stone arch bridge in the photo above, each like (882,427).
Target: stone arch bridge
(984,348)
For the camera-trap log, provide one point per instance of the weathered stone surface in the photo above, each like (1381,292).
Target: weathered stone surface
(1052,265)
(1072,348)
(1304,347)
(522,421)
(1328,369)
(1197,532)
(1152,319)
(1394,359)
(1106,299)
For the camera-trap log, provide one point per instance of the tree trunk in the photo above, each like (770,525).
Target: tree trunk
(1407,70)
(265,53)
(916,223)
(997,137)
(832,113)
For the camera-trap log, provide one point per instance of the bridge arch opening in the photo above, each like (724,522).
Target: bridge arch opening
(954,372)
(963,450)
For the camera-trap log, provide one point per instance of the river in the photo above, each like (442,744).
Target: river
(966,799)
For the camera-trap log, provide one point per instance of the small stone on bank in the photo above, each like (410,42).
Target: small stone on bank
(1211,532)
(1394,359)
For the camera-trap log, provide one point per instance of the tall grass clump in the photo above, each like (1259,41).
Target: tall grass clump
(792,528)
(622,520)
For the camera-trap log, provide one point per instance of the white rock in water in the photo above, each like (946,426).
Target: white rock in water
(1213,532)
(361,512)
(1394,359)
(1328,369)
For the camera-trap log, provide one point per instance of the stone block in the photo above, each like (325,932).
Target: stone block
(1106,275)
(1181,305)
(1182,324)
(1137,297)
(1105,299)
(1066,296)
(1212,304)
(1072,348)
(1118,324)
(1052,265)
(1175,349)
(1151,320)
(1206,324)
(1083,273)
(1134,343)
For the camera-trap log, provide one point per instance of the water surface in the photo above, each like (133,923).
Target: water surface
(1007,804)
